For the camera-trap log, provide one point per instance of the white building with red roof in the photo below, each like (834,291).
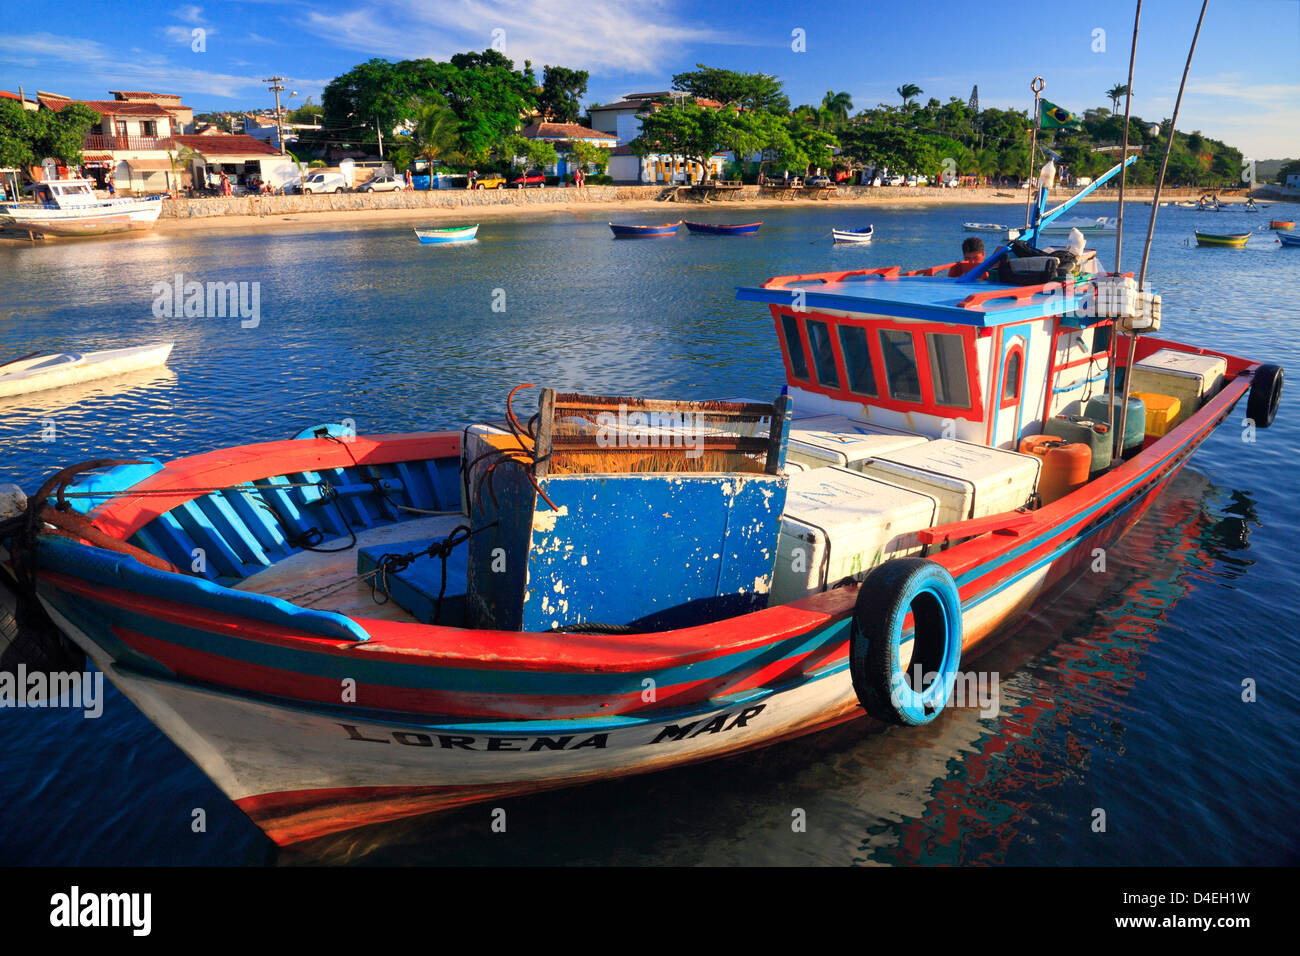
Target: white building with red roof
(562,136)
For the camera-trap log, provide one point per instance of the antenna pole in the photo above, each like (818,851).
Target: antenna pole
(1119,232)
(1155,205)
(1037,86)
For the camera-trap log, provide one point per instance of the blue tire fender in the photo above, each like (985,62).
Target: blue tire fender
(884,660)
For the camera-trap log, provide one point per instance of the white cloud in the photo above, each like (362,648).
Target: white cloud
(190,13)
(94,64)
(619,35)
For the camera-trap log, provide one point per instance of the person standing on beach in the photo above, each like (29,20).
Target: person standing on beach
(408,179)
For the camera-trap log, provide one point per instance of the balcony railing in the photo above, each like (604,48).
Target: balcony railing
(96,141)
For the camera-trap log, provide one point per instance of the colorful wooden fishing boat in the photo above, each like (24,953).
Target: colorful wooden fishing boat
(69,207)
(343,629)
(1288,240)
(34,372)
(1229,241)
(448,234)
(854,235)
(1282,224)
(644,232)
(724,229)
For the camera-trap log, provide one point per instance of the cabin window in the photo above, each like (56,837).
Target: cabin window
(1011,375)
(901,374)
(794,346)
(819,340)
(948,369)
(857,360)
(1101,339)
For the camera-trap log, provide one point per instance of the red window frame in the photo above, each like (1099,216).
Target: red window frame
(918,331)
(1017,350)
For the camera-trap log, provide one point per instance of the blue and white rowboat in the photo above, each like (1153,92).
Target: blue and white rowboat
(452,234)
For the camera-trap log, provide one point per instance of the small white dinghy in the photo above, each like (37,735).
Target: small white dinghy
(32,373)
(985,227)
(853,235)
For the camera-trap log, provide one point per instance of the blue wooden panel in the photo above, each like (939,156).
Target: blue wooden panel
(246,502)
(235,532)
(217,553)
(650,551)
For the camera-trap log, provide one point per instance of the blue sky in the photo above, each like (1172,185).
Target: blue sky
(1245,84)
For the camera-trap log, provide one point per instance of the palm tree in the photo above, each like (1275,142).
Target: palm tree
(907,91)
(180,159)
(437,132)
(1114,93)
(837,105)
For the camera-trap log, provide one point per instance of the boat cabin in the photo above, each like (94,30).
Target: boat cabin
(64,193)
(925,353)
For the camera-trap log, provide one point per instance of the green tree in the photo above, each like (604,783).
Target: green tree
(688,130)
(62,134)
(750,91)
(437,133)
(16,135)
(559,100)
(591,154)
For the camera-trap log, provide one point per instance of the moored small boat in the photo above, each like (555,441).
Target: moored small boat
(985,227)
(854,235)
(1288,240)
(1227,241)
(449,234)
(69,207)
(35,372)
(724,229)
(1282,224)
(622,231)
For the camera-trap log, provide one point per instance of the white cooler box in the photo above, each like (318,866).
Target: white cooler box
(1192,379)
(970,480)
(835,440)
(843,524)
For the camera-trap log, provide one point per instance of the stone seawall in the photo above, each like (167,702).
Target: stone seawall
(425,199)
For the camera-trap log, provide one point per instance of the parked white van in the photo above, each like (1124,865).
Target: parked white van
(324,183)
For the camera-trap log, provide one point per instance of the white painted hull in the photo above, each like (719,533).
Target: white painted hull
(300,773)
(54,371)
(115,215)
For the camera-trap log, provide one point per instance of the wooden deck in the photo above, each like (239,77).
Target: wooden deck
(329,582)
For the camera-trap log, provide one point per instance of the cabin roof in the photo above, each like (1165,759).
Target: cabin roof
(929,298)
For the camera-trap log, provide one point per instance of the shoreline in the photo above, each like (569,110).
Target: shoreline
(295,212)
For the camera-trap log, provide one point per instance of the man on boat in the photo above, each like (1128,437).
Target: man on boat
(972,254)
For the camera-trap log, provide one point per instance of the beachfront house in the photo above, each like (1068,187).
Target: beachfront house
(563,136)
(132,143)
(246,161)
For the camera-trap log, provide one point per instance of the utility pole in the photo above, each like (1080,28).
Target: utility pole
(381,137)
(276,87)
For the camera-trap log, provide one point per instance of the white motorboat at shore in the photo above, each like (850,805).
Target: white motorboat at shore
(69,207)
(32,373)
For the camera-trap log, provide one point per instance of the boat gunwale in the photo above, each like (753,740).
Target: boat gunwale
(460,647)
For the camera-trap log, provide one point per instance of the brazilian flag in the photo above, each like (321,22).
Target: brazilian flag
(1052,116)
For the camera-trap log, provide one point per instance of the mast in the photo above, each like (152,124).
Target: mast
(1037,86)
(1119,233)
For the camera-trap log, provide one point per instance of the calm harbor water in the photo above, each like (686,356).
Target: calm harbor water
(1124,694)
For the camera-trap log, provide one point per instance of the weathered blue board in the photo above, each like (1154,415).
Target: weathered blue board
(652,551)
(416,587)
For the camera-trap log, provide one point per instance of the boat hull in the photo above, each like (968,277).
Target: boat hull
(1226,242)
(55,371)
(434,236)
(644,232)
(120,216)
(852,236)
(256,706)
(1288,240)
(718,229)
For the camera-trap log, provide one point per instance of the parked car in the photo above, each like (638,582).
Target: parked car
(490,181)
(383,184)
(894,180)
(818,182)
(325,183)
(534,177)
